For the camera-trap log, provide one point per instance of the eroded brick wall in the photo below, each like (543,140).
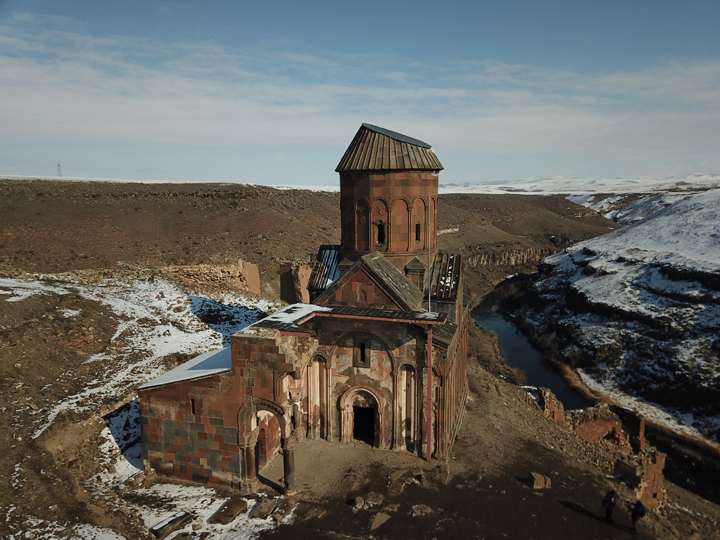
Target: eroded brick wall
(398,200)
(200,446)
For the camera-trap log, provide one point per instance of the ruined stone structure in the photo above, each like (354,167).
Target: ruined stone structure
(379,355)
(644,473)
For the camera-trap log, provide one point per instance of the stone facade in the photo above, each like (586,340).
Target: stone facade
(388,212)
(366,361)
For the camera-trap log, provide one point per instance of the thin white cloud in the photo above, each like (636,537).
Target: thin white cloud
(60,86)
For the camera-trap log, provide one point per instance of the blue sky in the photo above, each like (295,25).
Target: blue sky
(273,92)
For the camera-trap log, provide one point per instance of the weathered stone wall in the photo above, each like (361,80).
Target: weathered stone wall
(396,200)
(597,423)
(294,279)
(388,346)
(189,430)
(243,277)
(360,290)
(646,477)
(555,410)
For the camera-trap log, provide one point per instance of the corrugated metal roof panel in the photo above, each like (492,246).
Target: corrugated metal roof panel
(377,149)
(445,276)
(326,269)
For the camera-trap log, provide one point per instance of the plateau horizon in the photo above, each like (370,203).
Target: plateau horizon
(528,186)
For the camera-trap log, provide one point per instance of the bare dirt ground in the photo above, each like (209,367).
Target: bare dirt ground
(56,226)
(485,492)
(88,228)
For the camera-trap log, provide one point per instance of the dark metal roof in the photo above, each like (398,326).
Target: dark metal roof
(378,149)
(397,136)
(445,276)
(326,269)
(445,333)
(390,315)
(290,318)
(392,280)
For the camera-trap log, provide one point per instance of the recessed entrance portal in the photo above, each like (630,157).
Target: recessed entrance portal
(364,424)
(362,417)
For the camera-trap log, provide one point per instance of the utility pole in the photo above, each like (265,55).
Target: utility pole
(428,428)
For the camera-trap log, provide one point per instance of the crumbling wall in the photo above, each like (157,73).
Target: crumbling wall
(598,423)
(294,279)
(645,476)
(633,424)
(551,405)
(242,277)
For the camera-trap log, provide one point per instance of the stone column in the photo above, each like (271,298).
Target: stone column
(441,436)
(249,482)
(297,421)
(288,449)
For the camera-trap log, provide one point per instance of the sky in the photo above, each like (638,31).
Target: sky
(273,92)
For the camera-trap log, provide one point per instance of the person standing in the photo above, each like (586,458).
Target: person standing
(637,513)
(608,504)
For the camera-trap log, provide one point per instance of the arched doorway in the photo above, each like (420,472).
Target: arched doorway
(268,440)
(264,420)
(362,417)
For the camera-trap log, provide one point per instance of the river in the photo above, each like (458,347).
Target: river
(687,467)
(519,353)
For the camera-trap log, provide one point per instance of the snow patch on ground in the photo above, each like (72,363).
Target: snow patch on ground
(155,319)
(69,313)
(19,289)
(529,185)
(584,186)
(121,459)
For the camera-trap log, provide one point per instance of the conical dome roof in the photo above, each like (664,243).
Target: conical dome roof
(379,149)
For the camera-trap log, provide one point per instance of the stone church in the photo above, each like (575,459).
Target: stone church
(379,355)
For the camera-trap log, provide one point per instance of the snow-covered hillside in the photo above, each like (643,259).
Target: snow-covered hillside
(639,308)
(153,319)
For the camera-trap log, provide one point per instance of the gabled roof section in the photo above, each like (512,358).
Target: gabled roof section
(379,149)
(415,266)
(399,288)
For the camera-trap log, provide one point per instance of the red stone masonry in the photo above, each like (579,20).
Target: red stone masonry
(398,201)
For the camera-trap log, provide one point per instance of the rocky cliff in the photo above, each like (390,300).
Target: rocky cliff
(640,308)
